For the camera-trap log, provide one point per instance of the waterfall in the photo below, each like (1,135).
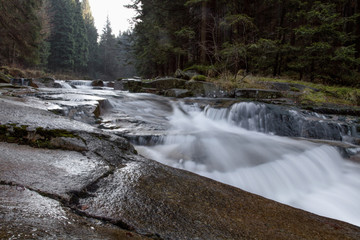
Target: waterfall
(20,81)
(71,84)
(233,146)
(81,83)
(63,84)
(281,121)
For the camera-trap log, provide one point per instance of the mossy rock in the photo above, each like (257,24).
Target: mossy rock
(97,83)
(258,94)
(4,78)
(131,85)
(16,72)
(178,93)
(51,133)
(200,78)
(166,83)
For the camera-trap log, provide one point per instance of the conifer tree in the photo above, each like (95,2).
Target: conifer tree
(62,36)
(81,45)
(108,62)
(92,38)
(20,31)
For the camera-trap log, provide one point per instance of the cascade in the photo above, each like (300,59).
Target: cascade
(233,146)
(80,83)
(281,121)
(20,81)
(63,84)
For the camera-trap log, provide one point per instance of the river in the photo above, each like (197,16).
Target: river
(248,145)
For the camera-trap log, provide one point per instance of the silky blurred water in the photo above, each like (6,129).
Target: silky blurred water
(305,175)
(238,146)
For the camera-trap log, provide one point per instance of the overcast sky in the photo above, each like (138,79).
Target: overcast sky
(118,14)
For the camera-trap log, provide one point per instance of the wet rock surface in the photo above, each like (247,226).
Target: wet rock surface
(25,214)
(175,87)
(70,180)
(258,93)
(53,172)
(152,198)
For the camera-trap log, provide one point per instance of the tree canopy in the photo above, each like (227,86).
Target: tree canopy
(311,40)
(314,40)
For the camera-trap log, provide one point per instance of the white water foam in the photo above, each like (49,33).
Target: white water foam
(298,173)
(64,84)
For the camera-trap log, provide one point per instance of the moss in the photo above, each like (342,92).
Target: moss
(5,70)
(4,78)
(12,140)
(42,144)
(3,129)
(294,89)
(51,133)
(202,69)
(201,78)
(313,93)
(19,133)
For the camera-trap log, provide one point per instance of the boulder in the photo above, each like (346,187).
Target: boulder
(97,83)
(257,93)
(4,78)
(152,198)
(178,93)
(289,86)
(27,214)
(206,89)
(131,85)
(21,81)
(118,84)
(165,83)
(110,84)
(46,82)
(187,75)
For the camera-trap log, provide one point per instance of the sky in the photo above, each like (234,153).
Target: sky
(116,11)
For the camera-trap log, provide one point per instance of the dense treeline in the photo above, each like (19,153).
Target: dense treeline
(60,36)
(20,31)
(313,40)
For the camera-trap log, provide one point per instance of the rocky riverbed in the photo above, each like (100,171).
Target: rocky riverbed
(71,177)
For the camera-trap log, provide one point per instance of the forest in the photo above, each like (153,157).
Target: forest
(60,36)
(316,41)
(310,40)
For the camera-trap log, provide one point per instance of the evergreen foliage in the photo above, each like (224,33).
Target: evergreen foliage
(125,55)
(314,40)
(311,40)
(62,50)
(108,63)
(92,37)
(20,32)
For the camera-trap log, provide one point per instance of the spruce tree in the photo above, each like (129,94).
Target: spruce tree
(62,41)
(108,62)
(92,38)
(20,31)
(81,45)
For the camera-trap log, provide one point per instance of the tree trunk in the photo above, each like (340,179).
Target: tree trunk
(13,54)
(203,32)
(357,27)
(280,37)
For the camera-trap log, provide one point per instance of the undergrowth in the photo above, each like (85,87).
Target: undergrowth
(311,93)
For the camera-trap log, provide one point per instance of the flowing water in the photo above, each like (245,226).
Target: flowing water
(241,146)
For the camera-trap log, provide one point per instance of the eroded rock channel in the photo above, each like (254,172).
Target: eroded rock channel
(70,177)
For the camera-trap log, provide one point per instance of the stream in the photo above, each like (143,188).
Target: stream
(260,148)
